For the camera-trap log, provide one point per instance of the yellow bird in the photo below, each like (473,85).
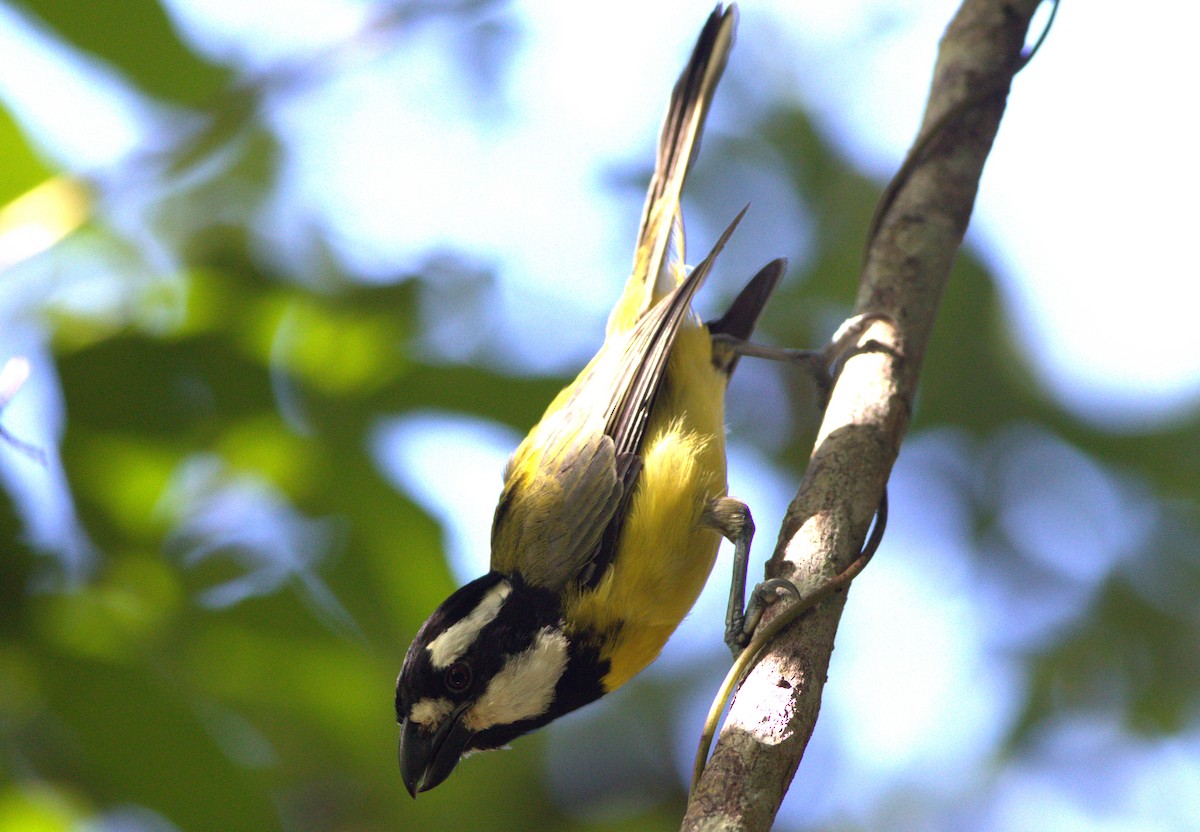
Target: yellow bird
(613,506)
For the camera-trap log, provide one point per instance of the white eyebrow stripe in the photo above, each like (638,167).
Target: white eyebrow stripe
(450,645)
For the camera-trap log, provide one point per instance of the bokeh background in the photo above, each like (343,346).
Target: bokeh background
(292,278)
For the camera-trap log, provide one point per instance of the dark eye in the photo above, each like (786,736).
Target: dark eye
(458,677)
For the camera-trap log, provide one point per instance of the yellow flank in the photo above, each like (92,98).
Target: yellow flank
(665,554)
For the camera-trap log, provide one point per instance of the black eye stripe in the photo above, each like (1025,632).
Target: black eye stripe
(522,615)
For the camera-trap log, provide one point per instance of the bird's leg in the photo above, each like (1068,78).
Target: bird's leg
(822,364)
(731,517)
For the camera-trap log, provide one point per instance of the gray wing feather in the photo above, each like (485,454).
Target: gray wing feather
(580,491)
(563,522)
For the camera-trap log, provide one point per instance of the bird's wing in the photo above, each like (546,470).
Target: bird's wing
(560,514)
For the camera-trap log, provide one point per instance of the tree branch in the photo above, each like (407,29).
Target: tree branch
(912,245)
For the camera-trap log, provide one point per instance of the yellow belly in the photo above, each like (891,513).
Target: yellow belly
(665,554)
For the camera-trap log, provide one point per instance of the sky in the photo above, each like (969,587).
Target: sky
(1084,214)
(1074,120)
(1077,126)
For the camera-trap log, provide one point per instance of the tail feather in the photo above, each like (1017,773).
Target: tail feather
(658,260)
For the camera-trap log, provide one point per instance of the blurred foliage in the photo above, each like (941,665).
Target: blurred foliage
(22,169)
(136,38)
(209,676)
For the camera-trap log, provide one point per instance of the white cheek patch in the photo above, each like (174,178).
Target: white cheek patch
(430,711)
(451,644)
(524,687)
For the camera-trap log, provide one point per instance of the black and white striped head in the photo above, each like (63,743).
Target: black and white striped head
(490,664)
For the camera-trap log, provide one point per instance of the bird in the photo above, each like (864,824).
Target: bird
(613,506)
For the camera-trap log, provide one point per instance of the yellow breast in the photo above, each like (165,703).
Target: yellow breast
(664,555)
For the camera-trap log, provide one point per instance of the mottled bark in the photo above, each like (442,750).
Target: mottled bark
(905,273)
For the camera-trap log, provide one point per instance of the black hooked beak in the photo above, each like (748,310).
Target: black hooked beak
(427,759)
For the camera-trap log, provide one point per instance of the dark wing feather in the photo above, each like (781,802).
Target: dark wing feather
(640,379)
(559,517)
(645,358)
(553,516)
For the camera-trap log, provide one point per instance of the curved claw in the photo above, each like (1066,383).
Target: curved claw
(761,597)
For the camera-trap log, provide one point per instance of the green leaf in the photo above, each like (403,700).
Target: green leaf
(22,168)
(137,37)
